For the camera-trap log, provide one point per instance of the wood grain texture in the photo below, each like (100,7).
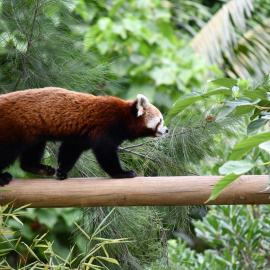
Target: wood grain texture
(139,191)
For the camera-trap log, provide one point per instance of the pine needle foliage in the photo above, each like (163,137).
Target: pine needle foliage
(37,49)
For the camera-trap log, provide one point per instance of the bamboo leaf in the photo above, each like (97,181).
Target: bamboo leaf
(31,251)
(17,219)
(111,260)
(100,228)
(84,233)
(105,251)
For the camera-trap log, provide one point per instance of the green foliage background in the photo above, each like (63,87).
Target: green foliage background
(123,48)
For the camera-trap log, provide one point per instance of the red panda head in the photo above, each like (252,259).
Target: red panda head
(150,116)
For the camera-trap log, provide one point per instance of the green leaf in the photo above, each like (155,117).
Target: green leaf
(225,82)
(111,260)
(31,251)
(104,23)
(240,110)
(114,7)
(47,217)
(265,115)
(164,75)
(255,126)
(246,145)
(190,99)
(224,112)
(241,106)
(268,187)
(236,167)
(241,102)
(235,89)
(222,261)
(265,146)
(221,185)
(258,93)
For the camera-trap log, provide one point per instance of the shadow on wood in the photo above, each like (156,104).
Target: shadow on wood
(139,191)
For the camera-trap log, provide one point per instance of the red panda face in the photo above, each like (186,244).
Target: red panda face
(151,116)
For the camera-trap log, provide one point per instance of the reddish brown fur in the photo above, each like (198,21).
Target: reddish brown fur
(29,114)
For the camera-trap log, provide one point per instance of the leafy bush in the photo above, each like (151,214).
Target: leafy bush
(239,99)
(148,54)
(238,237)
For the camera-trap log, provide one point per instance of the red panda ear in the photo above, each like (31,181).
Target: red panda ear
(141,104)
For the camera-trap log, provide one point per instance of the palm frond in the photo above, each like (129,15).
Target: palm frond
(218,34)
(237,38)
(252,53)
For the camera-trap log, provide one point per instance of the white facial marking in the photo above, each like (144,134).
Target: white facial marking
(142,103)
(156,122)
(152,123)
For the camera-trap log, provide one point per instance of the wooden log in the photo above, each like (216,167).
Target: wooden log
(139,191)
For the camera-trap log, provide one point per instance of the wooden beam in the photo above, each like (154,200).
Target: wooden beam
(139,191)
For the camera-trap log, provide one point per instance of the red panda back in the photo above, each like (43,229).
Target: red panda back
(27,115)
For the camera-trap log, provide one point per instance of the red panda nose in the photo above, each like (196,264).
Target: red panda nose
(166,130)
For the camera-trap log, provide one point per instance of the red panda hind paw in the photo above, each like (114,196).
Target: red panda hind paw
(125,174)
(5,178)
(131,174)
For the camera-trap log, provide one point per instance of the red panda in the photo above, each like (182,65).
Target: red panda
(30,118)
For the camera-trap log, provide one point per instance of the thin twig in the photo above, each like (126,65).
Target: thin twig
(29,43)
(3,89)
(183,131)
(17,23)
(164,235)
(156,160)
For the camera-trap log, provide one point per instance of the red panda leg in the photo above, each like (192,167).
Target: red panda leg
(68,154)
(8,155)
(31,160)
(107,157)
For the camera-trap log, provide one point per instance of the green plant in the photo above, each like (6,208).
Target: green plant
(41,254)
(238,99)
(147,53)
(237,238)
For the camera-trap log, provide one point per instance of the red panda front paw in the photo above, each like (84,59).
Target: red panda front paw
(61,175)
(125,174)
(5,178)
